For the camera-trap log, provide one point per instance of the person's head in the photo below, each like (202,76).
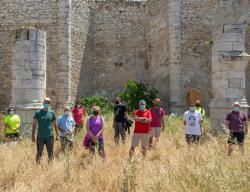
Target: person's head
(46,103)
(236,106)
(142,105)
(78,104)
(192,107)
(11,111)
(156,101)
(197,103)
(67,111)
(117,100)
(96,110)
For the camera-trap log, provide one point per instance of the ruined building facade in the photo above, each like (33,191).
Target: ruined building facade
(67,49)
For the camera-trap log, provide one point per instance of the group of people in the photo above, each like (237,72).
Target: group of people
(149,123)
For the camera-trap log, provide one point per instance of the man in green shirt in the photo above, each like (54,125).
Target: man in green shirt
(11,124)
(46,120)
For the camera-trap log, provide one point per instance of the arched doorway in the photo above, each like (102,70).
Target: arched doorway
(194,94)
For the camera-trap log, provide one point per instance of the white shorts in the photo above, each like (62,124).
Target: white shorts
(137,137)
(155,132)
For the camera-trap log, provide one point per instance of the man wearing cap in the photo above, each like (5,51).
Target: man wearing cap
(142,127)
(199,108)
(236,122)
(45,120)
(66,126)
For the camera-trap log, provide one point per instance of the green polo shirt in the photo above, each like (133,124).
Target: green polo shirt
(45,126)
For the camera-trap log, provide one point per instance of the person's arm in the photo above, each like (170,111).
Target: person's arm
(56,129)
(200,122)
(163,122)
(126,116)
(34,125)
(88,130)
(246,127)
(101,131)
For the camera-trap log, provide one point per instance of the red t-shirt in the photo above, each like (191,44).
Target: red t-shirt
(78,115)
(157,113)
(139,126)
(236,121)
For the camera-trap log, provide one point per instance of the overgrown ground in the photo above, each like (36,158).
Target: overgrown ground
(170,167)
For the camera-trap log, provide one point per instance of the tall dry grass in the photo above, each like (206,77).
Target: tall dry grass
(170,167)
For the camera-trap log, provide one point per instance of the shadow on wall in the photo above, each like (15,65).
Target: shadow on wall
(85,85)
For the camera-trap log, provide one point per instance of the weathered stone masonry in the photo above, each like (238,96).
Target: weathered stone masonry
(94,47)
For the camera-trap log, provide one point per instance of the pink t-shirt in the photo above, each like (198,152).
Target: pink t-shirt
(157,114)
(78,114)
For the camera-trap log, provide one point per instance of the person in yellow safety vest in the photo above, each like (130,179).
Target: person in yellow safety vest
(11,124)
(199,108)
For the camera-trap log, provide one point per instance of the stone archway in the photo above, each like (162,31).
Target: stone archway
(194,94)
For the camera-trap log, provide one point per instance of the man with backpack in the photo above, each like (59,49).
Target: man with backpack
(120,116)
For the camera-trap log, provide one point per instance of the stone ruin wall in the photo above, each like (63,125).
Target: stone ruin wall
(118,48)
(158,47)
(15,14)
(115,41)
(81,44)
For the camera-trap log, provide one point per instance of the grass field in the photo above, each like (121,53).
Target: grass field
(170,167)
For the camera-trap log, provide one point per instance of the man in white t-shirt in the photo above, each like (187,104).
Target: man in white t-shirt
(193,125)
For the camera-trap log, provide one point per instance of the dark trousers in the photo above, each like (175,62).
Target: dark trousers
(192,139)
(100,144)
(40,142)
(66,144)
(119,130)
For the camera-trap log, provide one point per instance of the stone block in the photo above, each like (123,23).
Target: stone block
(224,46)
(234,83)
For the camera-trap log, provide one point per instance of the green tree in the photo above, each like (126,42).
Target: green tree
(105,105)
(135,91)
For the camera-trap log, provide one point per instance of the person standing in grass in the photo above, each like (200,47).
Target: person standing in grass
(95,126)
(120,115)
(192,121)
(236,122)
(79,115)
(66,126)
(45,120)
(157,124)
(142,118)
(11,124)
(199,108)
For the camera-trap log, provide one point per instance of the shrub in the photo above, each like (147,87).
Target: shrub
(135,91)
(105,105)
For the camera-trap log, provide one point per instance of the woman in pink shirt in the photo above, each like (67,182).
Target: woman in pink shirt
(78,115)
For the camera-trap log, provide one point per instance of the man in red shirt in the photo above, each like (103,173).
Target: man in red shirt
(142,127)
(236,122)
(157,123)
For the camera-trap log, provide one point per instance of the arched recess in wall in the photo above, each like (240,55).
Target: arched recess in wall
(194,94)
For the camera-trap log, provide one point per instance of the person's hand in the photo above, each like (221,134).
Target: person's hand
(94,139)
(246,132)
(57,138)
(33,139)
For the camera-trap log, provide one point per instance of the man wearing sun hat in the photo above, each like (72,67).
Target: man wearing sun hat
(142,127)
(44,120)
(236,122)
